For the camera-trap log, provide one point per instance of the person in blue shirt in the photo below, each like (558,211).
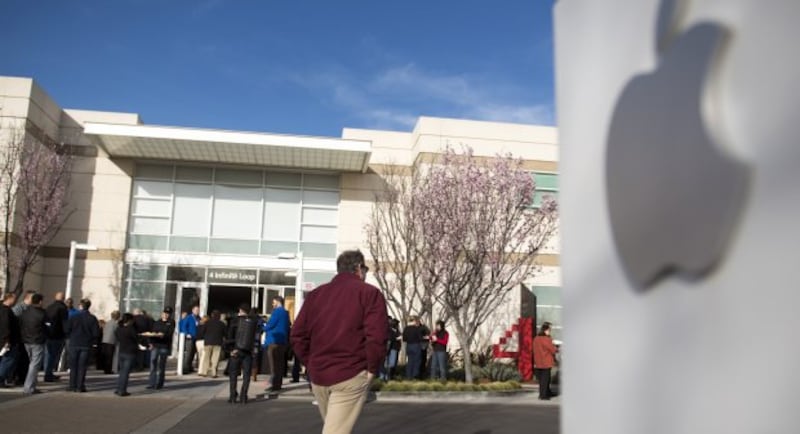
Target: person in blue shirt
(71,311)
(188,326)
(276,343)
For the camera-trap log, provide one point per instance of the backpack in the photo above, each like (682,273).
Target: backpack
(246,333)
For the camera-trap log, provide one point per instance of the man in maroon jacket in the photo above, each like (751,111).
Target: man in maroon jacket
(340,335)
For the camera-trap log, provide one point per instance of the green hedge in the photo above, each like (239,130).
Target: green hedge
(492,371)
(440,386)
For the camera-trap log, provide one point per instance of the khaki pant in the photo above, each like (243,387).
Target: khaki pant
(210,360)
(201,365)
(341,404)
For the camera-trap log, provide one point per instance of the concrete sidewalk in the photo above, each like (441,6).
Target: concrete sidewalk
(148,411)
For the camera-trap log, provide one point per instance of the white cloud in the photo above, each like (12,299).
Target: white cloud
(387,119)
(534,114)
(410,80)
(470,98)
(206,6)
(395,97)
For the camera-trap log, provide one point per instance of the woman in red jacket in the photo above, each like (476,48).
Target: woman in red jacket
(544,358)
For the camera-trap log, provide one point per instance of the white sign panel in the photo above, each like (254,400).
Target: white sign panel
(679,132)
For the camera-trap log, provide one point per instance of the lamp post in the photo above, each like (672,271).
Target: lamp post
(73,246)
(298,294)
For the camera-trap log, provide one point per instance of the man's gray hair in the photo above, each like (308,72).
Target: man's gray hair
(349,261)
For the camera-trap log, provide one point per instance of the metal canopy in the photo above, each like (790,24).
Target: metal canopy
(231,147)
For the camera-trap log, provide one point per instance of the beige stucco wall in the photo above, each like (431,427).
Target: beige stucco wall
(432,135)
(529,142)
(99,197)
(21,101)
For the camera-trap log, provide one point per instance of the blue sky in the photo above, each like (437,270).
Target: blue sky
(301,67)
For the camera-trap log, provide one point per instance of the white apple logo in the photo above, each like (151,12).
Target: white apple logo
(674,196)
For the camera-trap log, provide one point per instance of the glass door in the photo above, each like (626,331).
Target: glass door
(254,298)
(270,291)
(191,294)
(188,294)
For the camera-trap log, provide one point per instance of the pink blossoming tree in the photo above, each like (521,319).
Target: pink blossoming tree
(393,238)
(459,232)
(34,184)
(479,236)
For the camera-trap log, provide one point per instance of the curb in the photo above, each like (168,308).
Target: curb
(447,395)
(520,396)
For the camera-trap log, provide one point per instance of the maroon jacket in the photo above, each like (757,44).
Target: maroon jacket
(341,330)
(544,352)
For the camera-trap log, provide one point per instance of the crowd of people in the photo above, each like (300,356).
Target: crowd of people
(343,330)
(33,338)
(420,344)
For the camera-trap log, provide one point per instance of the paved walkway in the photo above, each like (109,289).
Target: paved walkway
(197,404)
(379,417)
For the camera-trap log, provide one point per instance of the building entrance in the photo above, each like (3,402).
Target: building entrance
(227,299)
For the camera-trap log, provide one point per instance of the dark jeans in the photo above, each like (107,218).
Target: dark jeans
(8,364)
(21,366)
(439,362)
(543,377)
(243,360)
(143,360)
(108,358)
(189,351)
(386,370)
(277,365)
(158,366)
(78,363)
(296,366)
(126,362)
(423,360)
(414,358)
(99,357)
(52,355)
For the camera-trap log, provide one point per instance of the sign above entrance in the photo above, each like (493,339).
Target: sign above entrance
(229,275)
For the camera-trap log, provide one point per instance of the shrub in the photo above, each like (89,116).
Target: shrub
(501,386)
(456,374)
(466,387)
(455,358)
(437,386)
(395,386)
(482,358)
(497,371)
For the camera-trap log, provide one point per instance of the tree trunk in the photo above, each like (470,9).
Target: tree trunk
(468,366)
(7,250)
(7,268)
(464,341)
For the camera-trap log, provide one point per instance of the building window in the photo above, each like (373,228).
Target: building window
(192,214)
(237,212)
(281,211)
(150,210)
(546,186)
(221,210)
(548,308)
